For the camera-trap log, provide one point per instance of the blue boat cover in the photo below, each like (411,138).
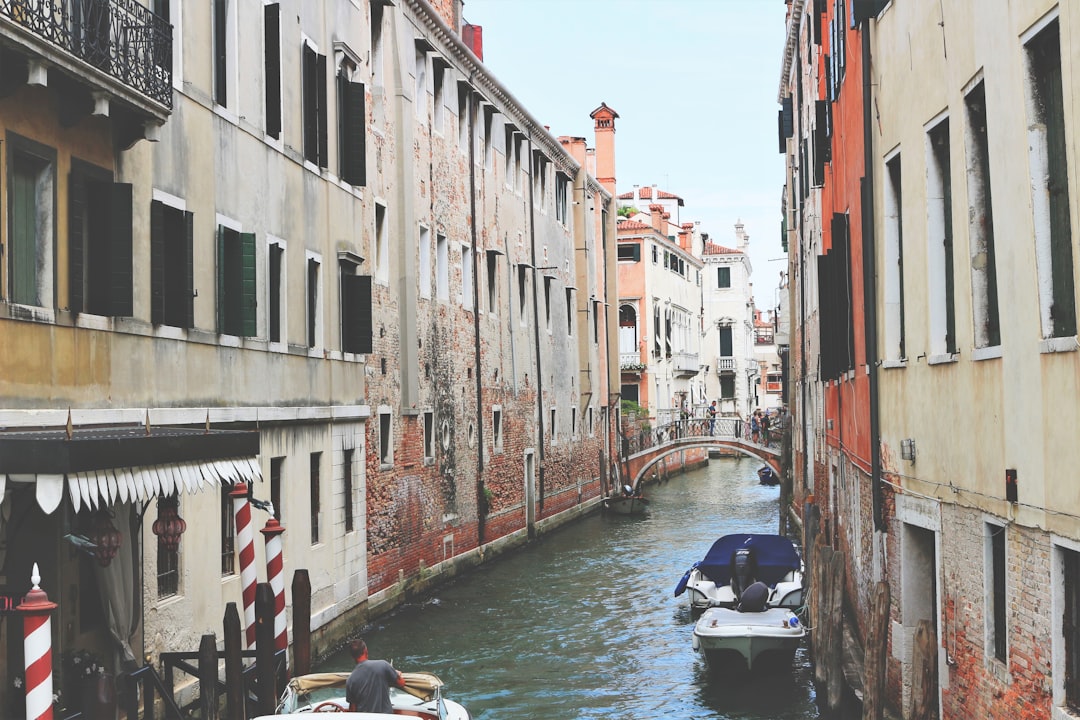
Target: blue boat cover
(775,555)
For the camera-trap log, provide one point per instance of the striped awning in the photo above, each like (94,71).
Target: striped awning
(103,466)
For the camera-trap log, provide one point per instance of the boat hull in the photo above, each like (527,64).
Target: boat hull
(627,505)
(754,641)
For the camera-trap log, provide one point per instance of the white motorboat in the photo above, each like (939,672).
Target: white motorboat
(325,692)
(752,640)
(735,561)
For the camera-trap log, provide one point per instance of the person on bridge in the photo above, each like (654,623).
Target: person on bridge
(368,686)
(712,418)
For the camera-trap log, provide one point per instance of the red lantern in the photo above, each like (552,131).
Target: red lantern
(107,538)
(169,526)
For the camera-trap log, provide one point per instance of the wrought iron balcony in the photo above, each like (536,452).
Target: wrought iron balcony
(120,38)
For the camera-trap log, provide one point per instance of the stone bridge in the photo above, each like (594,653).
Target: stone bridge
(640,452)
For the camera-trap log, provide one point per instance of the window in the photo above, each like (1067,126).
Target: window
(493,281)
(629,252)
(511,154)
(517,165)
(570,311)
(31,262)
(429,436)
(489,122)
(272,67)
(425,263)
(1050,184)
(235,282)
(386,440)
(656,334)
(172,298)
(168,561)
(347,487)
(314,299)
(523,295)
(1070,628)
(655,254)
(439,67)
(463,94)
(773,382)
(352,125)
(275,258)
(941,281)
(894,263)
(496,430)
(315,491)
(99,243)
(377,50)
(382,252)
(596,322)
(589,421)
(442,267)
(561,183)
(997,612)
(224,32)
(726,341)
(228,533)
(420,48)
(723,277)
(466,277)
(275,486)
(981,223)
(554,432)
(315,108)
(573,423)
(547,301)
(356,335)
(727,386)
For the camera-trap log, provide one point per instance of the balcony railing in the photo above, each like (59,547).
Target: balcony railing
(725,364)
(684,362)
(119,37)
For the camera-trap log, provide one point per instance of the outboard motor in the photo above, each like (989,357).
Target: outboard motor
(743,570)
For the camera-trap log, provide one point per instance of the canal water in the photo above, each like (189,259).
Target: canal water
(583,624)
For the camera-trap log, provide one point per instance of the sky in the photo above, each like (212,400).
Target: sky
(694,83)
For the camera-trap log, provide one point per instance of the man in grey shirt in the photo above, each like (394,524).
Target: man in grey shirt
(368,686)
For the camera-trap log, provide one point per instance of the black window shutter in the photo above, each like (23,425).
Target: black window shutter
(272,55)
(76,240)
(354,133)
(324,141)
(157,263)
(311,104)
(189,274)
(815,19)
(821,140)
(121,303)
(352,315)
(866,9)
(248,298)
(220,54)
(364,312)
(222,285)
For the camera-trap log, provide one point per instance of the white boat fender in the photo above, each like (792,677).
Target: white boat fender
(696,643)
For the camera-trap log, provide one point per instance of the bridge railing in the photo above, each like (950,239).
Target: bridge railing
(721,428)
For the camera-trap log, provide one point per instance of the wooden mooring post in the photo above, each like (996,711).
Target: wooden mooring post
(835,626)
(208,677)
(265,672)
(877,644)
(301,599)
(234,664)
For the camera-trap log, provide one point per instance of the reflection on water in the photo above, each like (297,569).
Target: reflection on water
(582,624)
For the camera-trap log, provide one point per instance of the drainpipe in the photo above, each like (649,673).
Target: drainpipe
(536,333)
(481,501)
(870,281)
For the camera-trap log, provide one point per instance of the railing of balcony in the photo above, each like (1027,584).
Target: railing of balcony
(119,37)
(631,361)
(725,364)
(685,362)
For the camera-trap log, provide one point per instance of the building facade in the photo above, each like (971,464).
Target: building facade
(351,270)
(957,494)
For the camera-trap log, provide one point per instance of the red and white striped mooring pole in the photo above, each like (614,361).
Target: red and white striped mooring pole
(37,650)
(275,574)
(245,539)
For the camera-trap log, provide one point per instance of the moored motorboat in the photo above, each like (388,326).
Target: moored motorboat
(628,502)
(325,692)
(729,638)
(735,561)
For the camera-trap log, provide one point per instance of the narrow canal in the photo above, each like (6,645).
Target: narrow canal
(583,624)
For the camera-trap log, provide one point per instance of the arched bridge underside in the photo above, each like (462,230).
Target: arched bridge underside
(643,451)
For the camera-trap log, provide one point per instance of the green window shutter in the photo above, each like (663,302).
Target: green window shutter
(353,133)
(248,299)
(323,111)
(272,58)
(76,240)
(120,255)
(157,263)
(189,275)
(222,289)
(362,309)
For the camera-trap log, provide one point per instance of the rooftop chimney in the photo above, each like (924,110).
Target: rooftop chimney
(473,37)
(656,213)
(604,129)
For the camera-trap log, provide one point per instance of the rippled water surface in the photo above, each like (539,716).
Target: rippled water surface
(582,624)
